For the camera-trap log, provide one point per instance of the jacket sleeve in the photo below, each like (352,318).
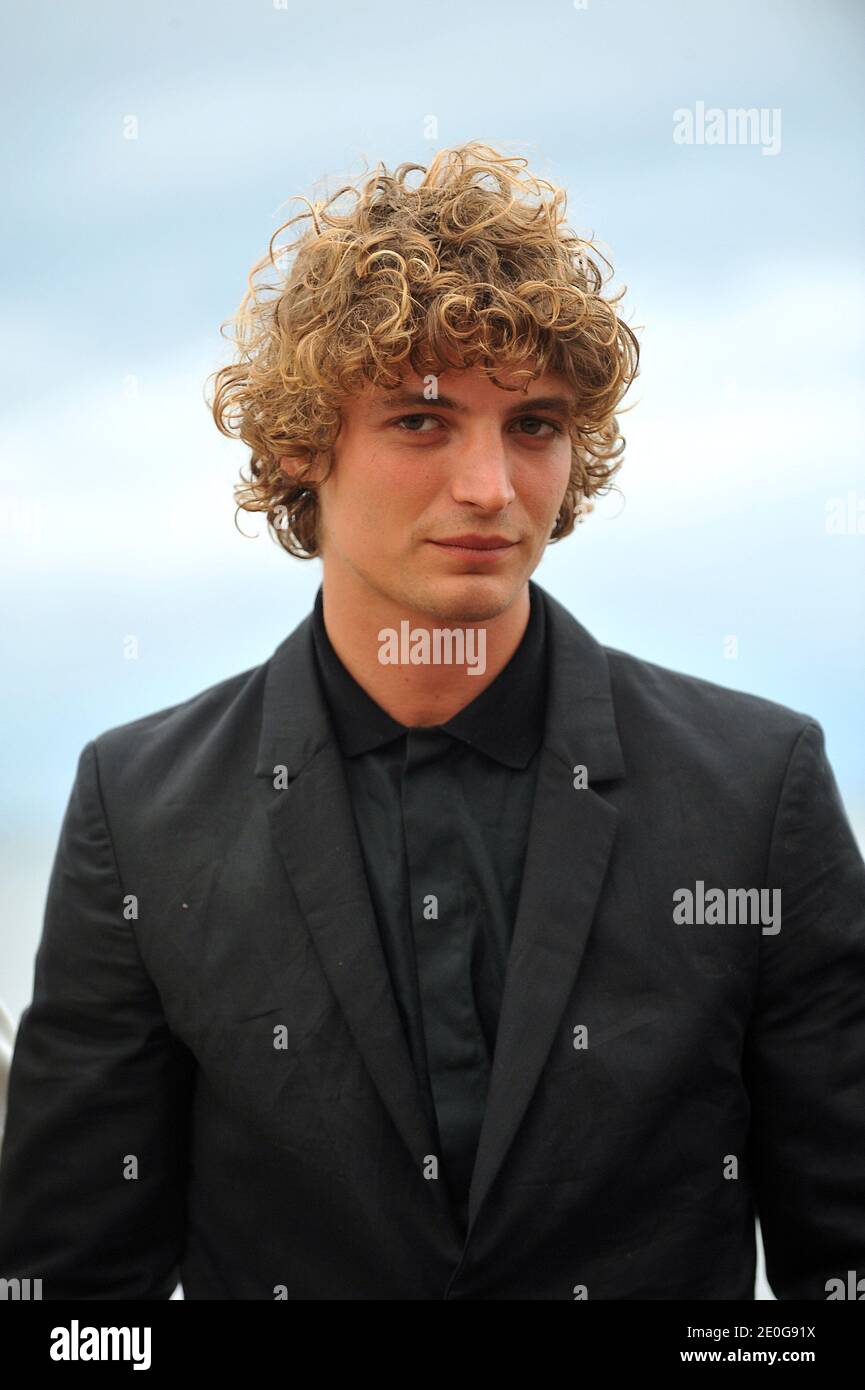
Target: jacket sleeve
(92,1168)
(805,1051)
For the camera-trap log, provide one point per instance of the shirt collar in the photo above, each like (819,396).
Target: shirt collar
(506,721)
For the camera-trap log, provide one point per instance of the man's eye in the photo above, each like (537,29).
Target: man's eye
(405,418)
(536,420)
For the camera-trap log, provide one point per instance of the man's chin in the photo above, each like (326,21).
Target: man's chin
(467,598)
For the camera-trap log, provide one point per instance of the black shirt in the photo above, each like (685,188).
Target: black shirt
(442,814)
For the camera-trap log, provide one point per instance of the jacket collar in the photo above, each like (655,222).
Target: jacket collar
(579,712)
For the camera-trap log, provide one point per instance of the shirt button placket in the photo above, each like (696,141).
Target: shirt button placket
(456,1053)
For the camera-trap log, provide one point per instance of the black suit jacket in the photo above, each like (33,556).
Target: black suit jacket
(211,1079)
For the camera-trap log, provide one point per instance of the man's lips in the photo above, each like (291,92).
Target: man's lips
(476,542)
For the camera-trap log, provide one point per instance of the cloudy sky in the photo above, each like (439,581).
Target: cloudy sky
(743,263)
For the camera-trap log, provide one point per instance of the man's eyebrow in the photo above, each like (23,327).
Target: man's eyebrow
(557,404)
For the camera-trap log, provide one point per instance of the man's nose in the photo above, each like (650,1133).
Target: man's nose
(482,472)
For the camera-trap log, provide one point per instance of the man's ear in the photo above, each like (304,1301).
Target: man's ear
(290,463)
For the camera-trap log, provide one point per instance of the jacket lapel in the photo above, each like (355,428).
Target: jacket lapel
(571,836)
(313,830)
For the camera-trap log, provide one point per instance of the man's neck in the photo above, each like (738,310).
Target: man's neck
(417,694)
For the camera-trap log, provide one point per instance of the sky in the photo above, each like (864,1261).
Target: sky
(122,256)
(743,270)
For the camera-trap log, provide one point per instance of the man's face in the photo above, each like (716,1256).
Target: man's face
(411,473)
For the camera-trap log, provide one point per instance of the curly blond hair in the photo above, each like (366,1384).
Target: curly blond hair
(472,266)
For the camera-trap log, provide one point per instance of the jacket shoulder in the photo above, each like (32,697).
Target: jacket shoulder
(193,736)
(724,737)
(671,694)
(650,700)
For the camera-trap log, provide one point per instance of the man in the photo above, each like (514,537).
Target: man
(449,953)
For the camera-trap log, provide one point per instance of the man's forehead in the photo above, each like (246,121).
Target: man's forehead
(462,383)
